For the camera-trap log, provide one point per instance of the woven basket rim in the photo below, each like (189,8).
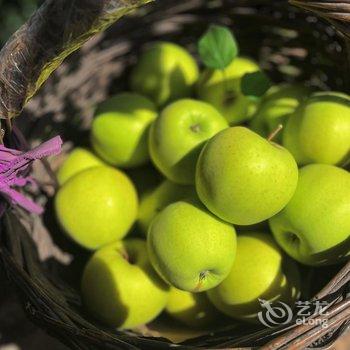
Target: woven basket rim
(19,258)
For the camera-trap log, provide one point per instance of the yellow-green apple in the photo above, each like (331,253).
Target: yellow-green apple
(193,309)
(178,135)
(314,227)
(120,287)
(165,72)
(275,108)
(78,160)
(243,178)
(222,89)
(154,201)
(259,272)
(97,206)
(119,132)
(319,130)
(191,248)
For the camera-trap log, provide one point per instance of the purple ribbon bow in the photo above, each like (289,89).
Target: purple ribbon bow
(13,171)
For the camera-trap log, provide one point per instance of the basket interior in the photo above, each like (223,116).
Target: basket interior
(288,43)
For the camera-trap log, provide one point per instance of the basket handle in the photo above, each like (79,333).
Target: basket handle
(57,28)
(336,12)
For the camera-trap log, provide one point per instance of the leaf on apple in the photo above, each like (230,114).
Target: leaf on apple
(255,84)
(217,47)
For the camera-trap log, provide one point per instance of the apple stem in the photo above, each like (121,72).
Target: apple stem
(275,132)
(202,276)
(195,128)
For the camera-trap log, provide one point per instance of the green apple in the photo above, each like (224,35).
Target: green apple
(319,130)
(97,206)
(275,108)
(119,132)
(78,160)
(314,228)
(222,89)
(243,178)
(259,272)
(120,287)
(191,248)
(152,202)
(165,72)
(193,309)
(178,135)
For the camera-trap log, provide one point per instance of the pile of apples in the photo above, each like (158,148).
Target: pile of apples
(226,166)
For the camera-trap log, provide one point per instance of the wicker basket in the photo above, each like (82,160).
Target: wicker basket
(290,43)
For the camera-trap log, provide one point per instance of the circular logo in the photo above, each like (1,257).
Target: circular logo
(273,315)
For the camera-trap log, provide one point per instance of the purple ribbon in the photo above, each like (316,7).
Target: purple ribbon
(13,171)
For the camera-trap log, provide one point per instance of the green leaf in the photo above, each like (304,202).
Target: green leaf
(255,84)
(217,47)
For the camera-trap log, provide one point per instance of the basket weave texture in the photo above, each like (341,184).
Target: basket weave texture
(290,43)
